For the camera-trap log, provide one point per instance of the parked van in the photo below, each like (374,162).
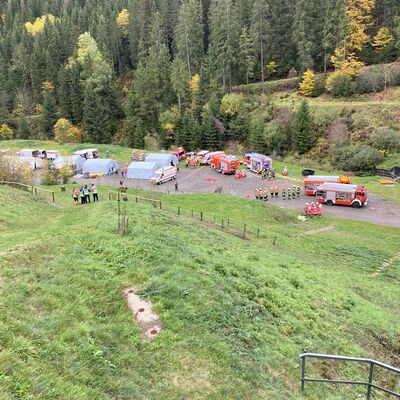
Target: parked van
(163,175)
(210,156)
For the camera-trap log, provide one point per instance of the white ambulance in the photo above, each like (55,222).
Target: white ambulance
(163,175)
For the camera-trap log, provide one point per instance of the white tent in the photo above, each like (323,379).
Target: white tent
(74,161)
(99,166)
(142,170)
(163,160)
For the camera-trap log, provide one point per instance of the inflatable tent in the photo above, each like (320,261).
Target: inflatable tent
(142,170)
(163,160)
(100,166)
(74,161)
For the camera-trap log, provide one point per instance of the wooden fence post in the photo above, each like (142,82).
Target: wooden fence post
(258,233)
(52,195)
(179,210)
(201,215)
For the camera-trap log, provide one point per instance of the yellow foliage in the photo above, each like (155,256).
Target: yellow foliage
(347,64)
(125,90)
(195,84)
(382,39)
(38,25)
(123,22)
(65,132)
(308,83)
(5,132)
(47,86)
(169,126)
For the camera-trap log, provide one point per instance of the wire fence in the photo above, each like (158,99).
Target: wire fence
(234,227)
(34,190)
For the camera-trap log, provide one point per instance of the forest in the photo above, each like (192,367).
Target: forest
(167,72)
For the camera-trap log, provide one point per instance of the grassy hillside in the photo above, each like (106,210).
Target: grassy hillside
(236,313)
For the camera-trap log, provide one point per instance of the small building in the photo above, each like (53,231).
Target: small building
(163,160)
(100,166)
(142,170)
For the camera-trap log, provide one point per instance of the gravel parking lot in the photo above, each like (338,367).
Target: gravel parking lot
(205,180)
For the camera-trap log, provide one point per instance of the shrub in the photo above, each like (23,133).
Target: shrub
(65,132)
(307,84)
(387,140)
(6,132)
(319,86)
(357,158)
(339,85)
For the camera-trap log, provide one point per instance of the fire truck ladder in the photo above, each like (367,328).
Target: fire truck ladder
(369,383)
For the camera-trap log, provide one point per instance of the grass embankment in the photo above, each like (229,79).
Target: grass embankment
(236,313)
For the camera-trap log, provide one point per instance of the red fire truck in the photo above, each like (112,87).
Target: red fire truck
(180,153)
(342,194)
(223,164)
(312,182)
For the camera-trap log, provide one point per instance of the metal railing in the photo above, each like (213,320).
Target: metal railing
(369,383)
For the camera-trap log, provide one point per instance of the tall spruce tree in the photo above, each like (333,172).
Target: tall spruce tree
(246,56)
(49,114)
(303,129)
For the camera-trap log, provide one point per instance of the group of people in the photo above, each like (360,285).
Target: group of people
(291,193)
(263,194)
(84,194)
(268,174)
(191,161)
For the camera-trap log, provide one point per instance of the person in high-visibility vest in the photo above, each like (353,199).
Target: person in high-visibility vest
(298,190)
(289,194)
(284,194)
(257,193)
(93,189)
(82,194)
(86,193)
(265,197)
(75,196)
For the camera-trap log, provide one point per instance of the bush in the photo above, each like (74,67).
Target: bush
(65,132)
(377,78)
(6,132)
(339,85)
(357,158)
(319,86)
(387,140)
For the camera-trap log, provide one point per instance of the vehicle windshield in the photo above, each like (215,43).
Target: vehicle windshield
(157,175)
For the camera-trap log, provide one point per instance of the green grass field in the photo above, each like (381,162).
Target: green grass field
(236,313)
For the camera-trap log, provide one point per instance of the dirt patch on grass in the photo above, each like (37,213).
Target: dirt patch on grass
(386,264)
(148,321)
(320,230)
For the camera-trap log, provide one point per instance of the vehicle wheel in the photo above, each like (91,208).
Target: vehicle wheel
(174,178)
(356,204)
(329,203)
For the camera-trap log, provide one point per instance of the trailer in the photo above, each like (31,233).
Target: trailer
(312,182)
(227,165)
(257,162)
(342,194)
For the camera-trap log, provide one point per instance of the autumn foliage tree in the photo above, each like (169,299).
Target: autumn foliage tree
(308,83)
(65,132)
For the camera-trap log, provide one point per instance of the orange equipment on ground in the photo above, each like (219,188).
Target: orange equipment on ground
(227,165)
(240,174)
(312,182)
(313,210)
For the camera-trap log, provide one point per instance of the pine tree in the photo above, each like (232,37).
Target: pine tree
(189,35)
(23,131)
(302,131)
(49,115)
(210,134)
(256,137)
(179,81)
(258,32)
(246,55)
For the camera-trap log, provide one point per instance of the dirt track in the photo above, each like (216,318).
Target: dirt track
(204,180)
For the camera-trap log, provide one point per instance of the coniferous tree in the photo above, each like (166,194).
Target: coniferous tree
(246,56)
(49,114)
(23,131)
(302,130)
(256,138)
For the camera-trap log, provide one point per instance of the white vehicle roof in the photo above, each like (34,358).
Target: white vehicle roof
(338,187)
(202,153)
(322,177)
(84,151)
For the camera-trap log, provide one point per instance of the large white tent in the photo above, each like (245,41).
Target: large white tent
(163,160)
(99,166)
(142,170)
(73,161)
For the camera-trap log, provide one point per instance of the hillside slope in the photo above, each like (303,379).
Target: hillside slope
(236,313)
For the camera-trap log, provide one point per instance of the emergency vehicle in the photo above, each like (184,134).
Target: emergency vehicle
(52,154)
(201,154)
(210,156)
(342,194)
(180,153)
(257,162)
(87,153)
(312,182)
(163,175)
(223,164)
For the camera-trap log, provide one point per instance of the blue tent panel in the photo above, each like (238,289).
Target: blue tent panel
(100,166)
(163,160)
(142,170)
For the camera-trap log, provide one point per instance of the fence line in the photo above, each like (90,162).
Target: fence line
(34,190)
(239,228)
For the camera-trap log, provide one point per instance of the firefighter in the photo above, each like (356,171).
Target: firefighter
(284,194)
(273,173)
(298,190)
(264,174)
(265,194)
(289,194)
(257,193)
(293,192)
(276,191)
